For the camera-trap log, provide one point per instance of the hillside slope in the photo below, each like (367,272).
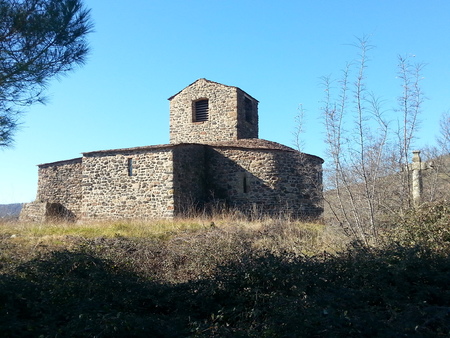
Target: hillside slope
(10,210)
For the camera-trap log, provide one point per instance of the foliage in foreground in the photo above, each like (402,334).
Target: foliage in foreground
(427,227)
(39,40)
(208,284)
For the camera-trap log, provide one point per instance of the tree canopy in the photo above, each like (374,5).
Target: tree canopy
(39,39)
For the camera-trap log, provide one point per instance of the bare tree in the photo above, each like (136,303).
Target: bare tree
(39,39)
(437,180)
(443,139)
(409,108)
(365,163)
(299,123)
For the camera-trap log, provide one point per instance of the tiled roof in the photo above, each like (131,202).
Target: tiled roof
(242,143)
(251,143)
(159,146)
(256,143)
(52,164)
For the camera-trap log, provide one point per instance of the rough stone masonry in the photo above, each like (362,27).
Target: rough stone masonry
(214,158)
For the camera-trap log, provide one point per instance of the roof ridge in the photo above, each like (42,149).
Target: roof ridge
(215,82)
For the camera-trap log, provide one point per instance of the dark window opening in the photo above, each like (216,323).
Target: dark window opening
(201,111)
(319,177)
(130,167)
(248,108)
(245,184)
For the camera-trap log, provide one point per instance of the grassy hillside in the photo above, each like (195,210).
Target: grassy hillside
(223,278)
(10,211)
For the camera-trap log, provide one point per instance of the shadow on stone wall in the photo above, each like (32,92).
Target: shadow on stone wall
(57,212)
(231,187)
(41,212)
(291,185)
(300,187)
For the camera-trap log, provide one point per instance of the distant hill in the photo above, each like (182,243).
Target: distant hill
(10,210)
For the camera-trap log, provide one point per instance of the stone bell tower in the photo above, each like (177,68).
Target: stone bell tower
(208,112)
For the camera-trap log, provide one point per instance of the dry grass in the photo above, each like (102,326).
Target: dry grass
(135,229)
(170,250)
(221,276)
(263,233)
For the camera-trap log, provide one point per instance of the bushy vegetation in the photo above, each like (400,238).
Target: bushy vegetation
(426,227)
(225,278)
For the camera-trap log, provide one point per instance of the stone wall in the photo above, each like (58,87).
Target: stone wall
(112,191)
(216,158)
(189,178)
(233,114)
(60,182)
(42,212)
(247,126)
(33,212)
(266,181)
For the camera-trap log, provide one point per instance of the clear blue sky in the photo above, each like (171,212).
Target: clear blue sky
(144,51)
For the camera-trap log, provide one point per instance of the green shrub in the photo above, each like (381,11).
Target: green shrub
(427,226)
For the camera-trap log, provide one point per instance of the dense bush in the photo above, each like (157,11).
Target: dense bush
(427,226)
(358,293)
(76,294)
(212,283)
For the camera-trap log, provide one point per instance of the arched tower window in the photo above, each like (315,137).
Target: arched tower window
(201,111)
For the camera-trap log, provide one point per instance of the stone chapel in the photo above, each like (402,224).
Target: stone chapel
(214,158)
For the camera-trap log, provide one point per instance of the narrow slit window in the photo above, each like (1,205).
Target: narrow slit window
(248,108)
(130,167)
(201,111)
(245,184)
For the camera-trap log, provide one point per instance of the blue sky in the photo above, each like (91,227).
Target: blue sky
(144,51)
